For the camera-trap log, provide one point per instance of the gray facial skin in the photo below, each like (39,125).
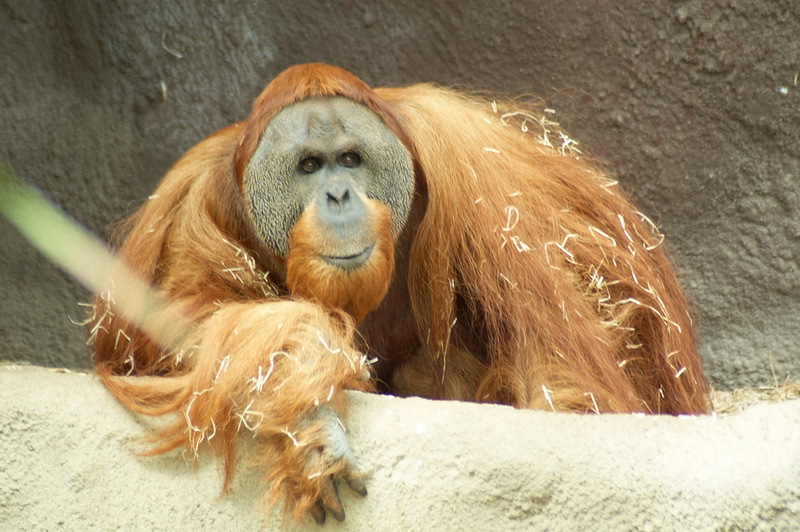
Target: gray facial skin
(328,152)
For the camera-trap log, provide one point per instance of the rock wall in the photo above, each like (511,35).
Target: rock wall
(695,103)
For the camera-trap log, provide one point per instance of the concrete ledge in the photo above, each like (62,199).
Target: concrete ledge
(67,463)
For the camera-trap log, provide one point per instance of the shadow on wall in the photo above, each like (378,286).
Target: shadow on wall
(694,103)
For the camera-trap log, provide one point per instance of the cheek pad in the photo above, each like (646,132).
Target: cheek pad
(392,180)
(271,200)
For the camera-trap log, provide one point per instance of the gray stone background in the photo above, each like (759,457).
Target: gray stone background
(696,104)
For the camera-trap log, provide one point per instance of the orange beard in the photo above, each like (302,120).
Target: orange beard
(356,291)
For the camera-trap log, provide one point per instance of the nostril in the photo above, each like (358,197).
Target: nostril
(337,197)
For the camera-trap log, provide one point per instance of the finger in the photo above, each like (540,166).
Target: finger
(351,475)
(357,484)
(330,499)
(318,513)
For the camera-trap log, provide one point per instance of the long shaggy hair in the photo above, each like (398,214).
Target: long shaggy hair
(526,277)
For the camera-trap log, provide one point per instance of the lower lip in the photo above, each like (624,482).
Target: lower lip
(352,262)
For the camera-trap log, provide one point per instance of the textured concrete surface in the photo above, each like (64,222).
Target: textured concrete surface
(695,103)
(67,464)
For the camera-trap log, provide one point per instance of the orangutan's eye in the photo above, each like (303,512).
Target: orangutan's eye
(310,165)
(350,160)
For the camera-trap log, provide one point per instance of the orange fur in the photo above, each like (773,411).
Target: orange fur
(549,324)
(309,276)
(524,276)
